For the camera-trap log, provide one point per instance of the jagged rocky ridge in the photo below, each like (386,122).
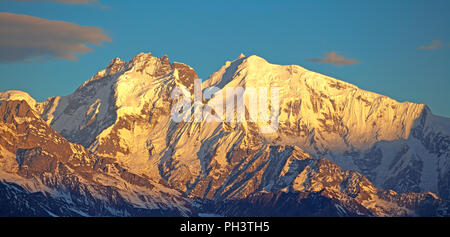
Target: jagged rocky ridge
(120,122)
(59,178)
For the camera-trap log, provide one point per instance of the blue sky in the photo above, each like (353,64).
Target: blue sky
(384,36)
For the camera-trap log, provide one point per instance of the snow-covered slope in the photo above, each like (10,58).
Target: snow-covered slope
(69,180)
(18,95)
(346,117)
(116,112)
(357,129)
(124,113)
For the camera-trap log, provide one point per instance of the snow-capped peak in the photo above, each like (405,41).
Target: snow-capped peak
(253,71)
(364,117)
(17,95)
(143,63)
(121,90)
(124,113)
(114,66)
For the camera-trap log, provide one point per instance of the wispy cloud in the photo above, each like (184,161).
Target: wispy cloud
(435,44)
(25,38)
(334,59)
(93,3)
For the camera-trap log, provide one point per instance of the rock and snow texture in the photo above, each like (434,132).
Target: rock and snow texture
(60,178)
(399,146)
(123,113)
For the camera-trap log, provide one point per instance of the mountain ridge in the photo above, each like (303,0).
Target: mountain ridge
(123,113)
(40,160)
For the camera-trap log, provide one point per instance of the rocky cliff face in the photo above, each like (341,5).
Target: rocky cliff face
(57,177)
(400,146)
(335,150)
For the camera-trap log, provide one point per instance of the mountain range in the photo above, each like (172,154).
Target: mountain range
(111,148)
